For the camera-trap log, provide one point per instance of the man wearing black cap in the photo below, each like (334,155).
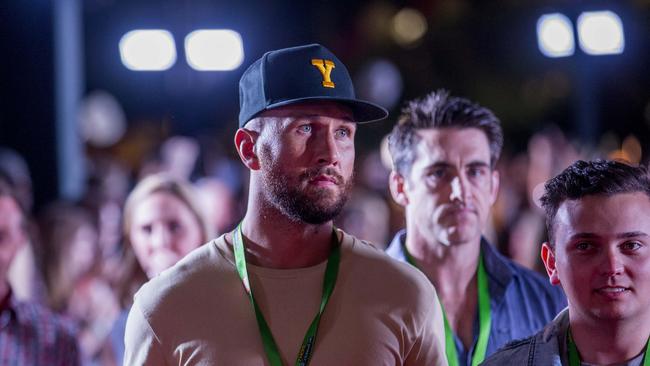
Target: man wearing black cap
(599,253)
(286,286)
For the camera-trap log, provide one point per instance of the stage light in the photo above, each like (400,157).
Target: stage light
(214,50)
(555,35)
(409,26)
(148,50)
(600,33)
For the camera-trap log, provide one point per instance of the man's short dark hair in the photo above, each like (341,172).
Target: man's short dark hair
(585,178)
(439,110)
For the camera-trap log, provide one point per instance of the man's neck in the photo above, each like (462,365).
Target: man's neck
(609,342)
(450,268)
(274,240)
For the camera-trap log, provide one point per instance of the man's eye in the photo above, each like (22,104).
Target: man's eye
(342,132)
(147,228)
(475,172)
(582,246)
(437,173)
(304,128)
(631,245)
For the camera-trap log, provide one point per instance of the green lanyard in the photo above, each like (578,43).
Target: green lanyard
(574,357)
(484,317)
(270,347)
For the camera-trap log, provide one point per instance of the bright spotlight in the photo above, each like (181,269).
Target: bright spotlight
(555,35)
(214,49)
(148,50)
(601,33)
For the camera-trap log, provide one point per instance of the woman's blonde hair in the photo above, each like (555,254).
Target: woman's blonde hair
(163,183)
(134,275)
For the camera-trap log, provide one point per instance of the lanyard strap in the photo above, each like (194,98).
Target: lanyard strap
(574,356)
(270,347)
(484,317)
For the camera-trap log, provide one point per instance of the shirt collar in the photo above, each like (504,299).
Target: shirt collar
(395,248)
(499,270)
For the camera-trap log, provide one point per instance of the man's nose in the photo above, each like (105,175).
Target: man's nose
(459,189)
(611,264)
(328,150)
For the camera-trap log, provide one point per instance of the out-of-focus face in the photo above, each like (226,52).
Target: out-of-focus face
(601,256)
(450,188)
(12,234)
(81,251)
(307,160)
(163,230)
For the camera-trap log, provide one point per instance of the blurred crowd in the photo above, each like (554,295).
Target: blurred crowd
(86,259)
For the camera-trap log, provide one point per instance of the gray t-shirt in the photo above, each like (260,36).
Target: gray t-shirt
(636,361)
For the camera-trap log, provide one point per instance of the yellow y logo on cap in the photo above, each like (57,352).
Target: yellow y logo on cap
(325,67)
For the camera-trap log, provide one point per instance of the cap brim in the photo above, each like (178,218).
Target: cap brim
(364,112)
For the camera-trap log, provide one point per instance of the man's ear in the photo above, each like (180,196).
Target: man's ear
(396,184)
(548,257)
(245,143)
(495,180)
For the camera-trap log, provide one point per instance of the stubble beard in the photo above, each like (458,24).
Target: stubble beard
(313,205)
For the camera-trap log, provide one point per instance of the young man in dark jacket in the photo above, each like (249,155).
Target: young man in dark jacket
(599,253)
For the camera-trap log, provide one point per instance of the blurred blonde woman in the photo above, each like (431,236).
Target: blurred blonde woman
(162,223)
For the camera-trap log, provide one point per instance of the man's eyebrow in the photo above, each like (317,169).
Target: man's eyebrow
(438,164)
(631,234)
(478,164)
(625,235)
(583,236)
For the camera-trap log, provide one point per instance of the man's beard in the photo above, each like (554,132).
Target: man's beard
(316,207)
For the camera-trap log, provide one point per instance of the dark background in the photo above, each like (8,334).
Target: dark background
(484,50)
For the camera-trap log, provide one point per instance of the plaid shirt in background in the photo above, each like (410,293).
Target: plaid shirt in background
(31,335)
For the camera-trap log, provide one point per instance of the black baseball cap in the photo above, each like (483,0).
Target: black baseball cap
(299,74)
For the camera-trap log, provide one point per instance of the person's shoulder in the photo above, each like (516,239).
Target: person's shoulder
(534,280)
(375,265)
(516,352)
(519,272)
(541,348)
(366,252)
(527,275)
(182,280)
(46,322)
